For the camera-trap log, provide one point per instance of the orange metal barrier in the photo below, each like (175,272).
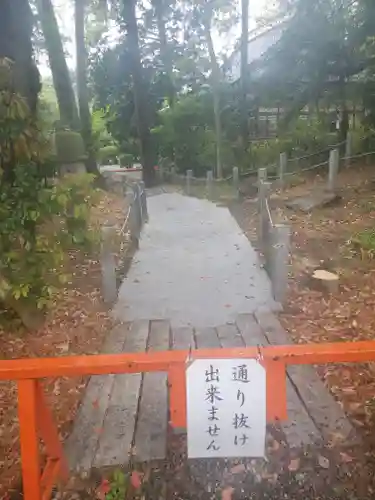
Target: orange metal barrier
(36,420)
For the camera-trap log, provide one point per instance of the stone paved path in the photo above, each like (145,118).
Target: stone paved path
(194,266)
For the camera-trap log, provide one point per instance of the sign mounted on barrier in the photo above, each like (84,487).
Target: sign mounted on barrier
(226,408)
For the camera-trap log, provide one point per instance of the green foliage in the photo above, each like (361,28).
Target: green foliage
(302,137)
(101,118)
(365,242)
(69,146)
(118,486)
(38,223)
(186,136)
(126,160)
(108,154)
(306,136)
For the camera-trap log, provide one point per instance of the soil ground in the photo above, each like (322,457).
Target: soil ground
(320,239)
(76,324)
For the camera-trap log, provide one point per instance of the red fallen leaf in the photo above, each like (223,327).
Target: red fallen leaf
(228,305)
(346,458)
(294,465)
(95,404)
(103,490)
(226,493)
(98,430)
(237,469)
(136,480)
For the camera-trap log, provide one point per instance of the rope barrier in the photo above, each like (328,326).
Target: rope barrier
(269,213)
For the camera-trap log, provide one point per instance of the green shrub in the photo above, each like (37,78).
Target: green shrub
(69,146)
(126,160)
(108,154)
(187,138)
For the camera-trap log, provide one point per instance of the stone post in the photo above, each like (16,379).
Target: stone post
(161,172)
(264,222)
(236,182)
(333,169)
(348,149)
(108,266)
(282,169)
(209,184)
(143,201)
(135,217)
(262,177)
(279,260)
(173,175)
(189,175)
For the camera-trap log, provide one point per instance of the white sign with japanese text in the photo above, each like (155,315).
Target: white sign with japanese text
(226,408)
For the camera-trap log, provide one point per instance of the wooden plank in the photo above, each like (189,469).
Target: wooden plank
(229,336)
(81,445)
(151,430)
(182,338)
(206,338)
(324,410)
(328,416)
(250,330)
(299,430)
(116,439)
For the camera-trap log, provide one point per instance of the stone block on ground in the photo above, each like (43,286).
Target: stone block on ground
(325,281)
(318,199)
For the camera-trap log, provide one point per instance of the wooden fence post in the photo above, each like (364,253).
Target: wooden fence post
(108,266)
(279,260)
(282,169)
(189,175)
(209,184)
(333,169)
(236,182)
(348,149)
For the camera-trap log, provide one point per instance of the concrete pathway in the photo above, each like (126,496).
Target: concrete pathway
(194,266)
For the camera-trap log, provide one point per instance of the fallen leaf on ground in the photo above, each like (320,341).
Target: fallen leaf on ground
(237,469)
(227,493)
(346,458)
(136,480)
(294,465)
(104,488)
(323,462)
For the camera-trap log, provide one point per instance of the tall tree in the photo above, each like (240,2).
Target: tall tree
(244,71)
(82,88)
(139,91)
(59,68)
(160,8)
(15,44)
(215,85)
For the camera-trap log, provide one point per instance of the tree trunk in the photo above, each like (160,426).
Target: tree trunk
(83,93)
(140,93)
(215,85)
(159,7)
(60,73)
(15,44)
(244,72)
